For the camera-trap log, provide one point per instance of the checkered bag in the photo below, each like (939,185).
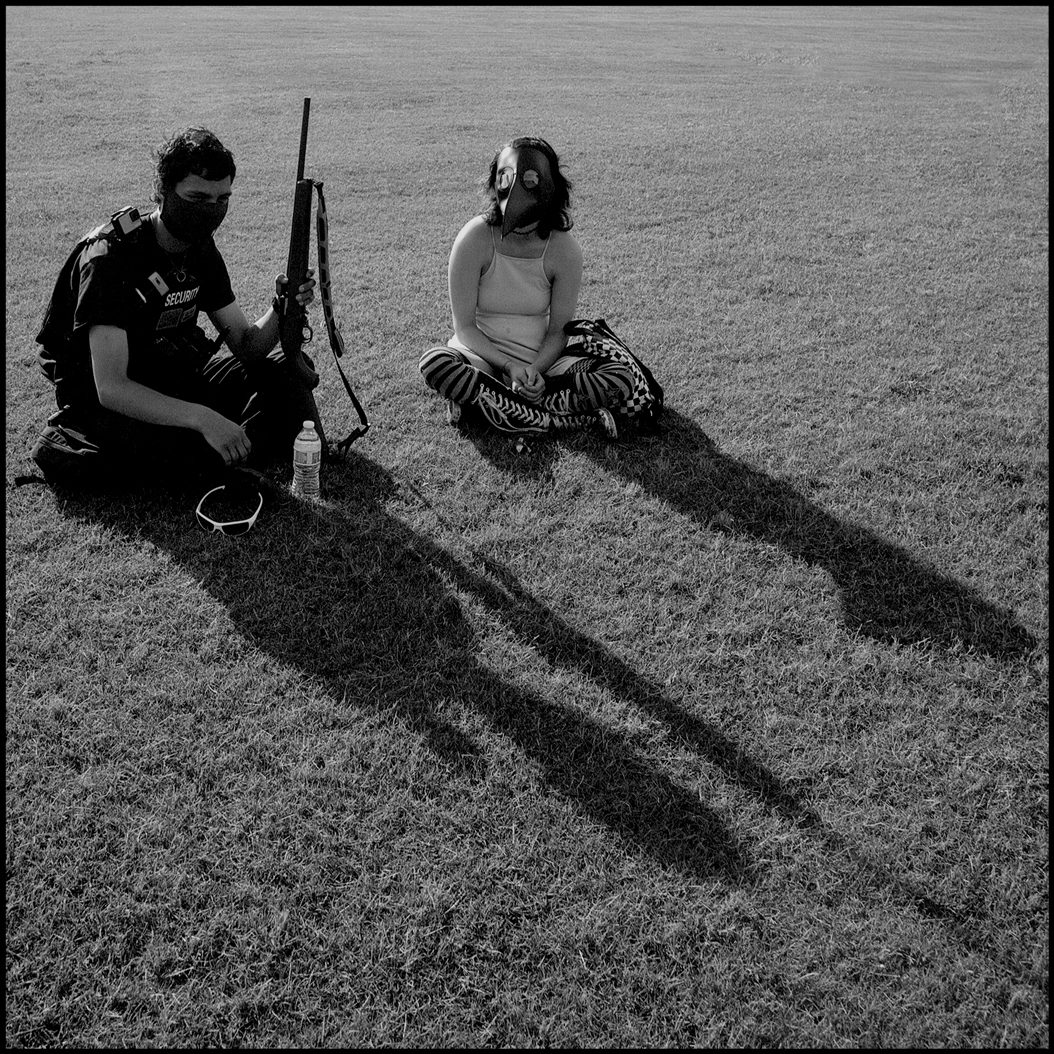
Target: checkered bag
(643,407)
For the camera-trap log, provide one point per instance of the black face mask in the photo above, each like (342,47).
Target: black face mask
(525,192)
(191,221)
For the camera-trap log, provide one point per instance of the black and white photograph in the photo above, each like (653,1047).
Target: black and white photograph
(527,527)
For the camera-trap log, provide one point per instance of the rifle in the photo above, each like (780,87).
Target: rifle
(293,326)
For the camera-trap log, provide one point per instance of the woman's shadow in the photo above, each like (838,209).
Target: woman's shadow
(356,599)
(884,592)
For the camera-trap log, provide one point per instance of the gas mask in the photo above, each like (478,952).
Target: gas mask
(525,188)
(191,221)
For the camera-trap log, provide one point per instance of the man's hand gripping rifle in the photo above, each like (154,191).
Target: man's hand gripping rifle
(294,328)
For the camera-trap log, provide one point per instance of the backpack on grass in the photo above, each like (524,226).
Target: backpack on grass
(643,407)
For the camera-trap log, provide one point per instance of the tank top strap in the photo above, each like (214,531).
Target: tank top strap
(494,246)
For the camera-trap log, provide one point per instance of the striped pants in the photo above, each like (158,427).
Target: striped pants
(569,404)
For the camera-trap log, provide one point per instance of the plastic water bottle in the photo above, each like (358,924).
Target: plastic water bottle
(307,460)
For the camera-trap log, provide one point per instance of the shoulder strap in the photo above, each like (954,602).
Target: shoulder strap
(336,341)
(59,312)
(588,327)
(122,229)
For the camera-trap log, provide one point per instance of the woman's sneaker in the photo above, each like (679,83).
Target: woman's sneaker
(606,420)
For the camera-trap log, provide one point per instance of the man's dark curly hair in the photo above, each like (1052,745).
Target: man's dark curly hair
(558,217)
(195,151)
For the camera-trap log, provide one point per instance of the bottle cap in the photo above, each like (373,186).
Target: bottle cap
(309,424)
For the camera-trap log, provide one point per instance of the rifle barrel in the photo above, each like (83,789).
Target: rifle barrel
(303,141)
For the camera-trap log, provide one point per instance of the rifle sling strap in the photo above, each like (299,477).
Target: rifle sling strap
(336,341)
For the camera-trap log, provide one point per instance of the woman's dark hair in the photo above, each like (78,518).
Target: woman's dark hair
(558,217)
(193,152)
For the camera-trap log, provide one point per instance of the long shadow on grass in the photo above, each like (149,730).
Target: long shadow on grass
(701,481)
(884,591)
(352,597)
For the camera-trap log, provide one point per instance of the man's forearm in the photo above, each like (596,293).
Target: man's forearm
(146,404)
(260,338)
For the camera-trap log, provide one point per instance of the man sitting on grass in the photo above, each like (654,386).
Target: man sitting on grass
(139,386)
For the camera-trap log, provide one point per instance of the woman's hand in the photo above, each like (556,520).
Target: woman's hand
(526,381)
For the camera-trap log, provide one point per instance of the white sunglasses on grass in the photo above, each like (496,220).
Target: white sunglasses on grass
(233,528)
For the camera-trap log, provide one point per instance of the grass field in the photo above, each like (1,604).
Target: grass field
(733,737)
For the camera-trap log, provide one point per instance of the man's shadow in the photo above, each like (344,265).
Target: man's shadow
(884,591)
(353,597)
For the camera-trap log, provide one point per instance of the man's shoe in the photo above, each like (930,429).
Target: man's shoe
(64,453)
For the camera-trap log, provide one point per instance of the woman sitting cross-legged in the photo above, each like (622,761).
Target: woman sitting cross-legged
(514,276)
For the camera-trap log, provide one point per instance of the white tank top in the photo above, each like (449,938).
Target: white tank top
(512,309)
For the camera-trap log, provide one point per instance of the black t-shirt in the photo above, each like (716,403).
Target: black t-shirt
(146,291)
(133,284)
